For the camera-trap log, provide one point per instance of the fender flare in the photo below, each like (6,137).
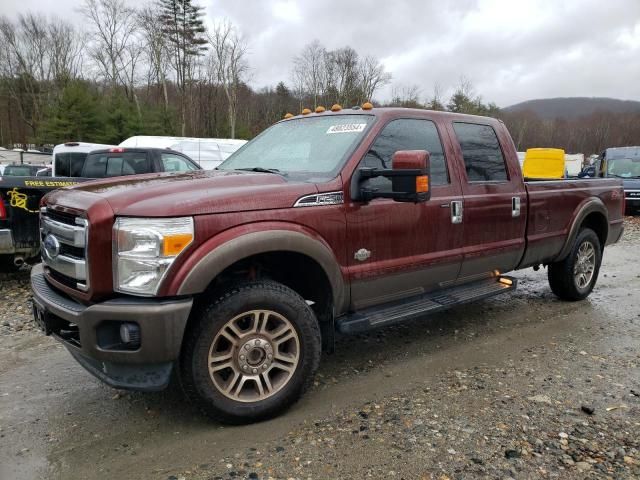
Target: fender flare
(254,243)
(592,205)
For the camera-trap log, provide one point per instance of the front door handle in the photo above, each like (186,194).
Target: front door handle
(456,211)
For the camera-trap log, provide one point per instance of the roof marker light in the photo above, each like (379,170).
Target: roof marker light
(288,115)
(116,150)
(336,107)
(367,106)
(306,111)
(320,109)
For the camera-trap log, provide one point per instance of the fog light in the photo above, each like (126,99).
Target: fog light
(130,334)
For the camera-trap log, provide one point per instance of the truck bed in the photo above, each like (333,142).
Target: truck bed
(552,208)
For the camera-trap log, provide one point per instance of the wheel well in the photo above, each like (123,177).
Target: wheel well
(297,271)
(598,223)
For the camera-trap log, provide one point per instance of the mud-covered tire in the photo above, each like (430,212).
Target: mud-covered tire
(564,275)
(278,308)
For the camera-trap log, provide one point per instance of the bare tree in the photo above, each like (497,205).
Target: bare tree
(66,46)
(155,48)
(372,77)
(25,61)
(406,96)
(309,69)
(112,29)
(436,102)
(229,50)
(346,74)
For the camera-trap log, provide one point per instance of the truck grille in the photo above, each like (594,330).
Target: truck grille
(64,245)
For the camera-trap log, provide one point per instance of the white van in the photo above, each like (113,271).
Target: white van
(573,163)
(68,158)
(206,152)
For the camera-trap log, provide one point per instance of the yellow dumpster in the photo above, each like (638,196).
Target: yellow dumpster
(544,163)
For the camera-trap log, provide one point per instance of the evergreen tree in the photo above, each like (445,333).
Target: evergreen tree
(184,29)
(74,116)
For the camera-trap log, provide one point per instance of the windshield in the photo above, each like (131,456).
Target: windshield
(310,145)
(624,167)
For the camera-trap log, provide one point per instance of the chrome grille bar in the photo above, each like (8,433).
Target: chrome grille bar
(72,265)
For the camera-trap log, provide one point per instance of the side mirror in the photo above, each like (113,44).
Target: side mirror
(409,175)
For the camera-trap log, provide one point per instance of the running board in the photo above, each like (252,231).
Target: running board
(394,312)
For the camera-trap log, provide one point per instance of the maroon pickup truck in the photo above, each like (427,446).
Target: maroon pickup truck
(237,279)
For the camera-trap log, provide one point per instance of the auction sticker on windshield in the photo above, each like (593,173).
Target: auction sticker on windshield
(347,128)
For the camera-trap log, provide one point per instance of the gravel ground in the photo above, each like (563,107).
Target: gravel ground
(15,298)
(517,387)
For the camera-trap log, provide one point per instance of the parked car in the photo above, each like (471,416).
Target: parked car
(206,152)
(624,163)
(337,221)
(25,170)
(68,158)
(20,196)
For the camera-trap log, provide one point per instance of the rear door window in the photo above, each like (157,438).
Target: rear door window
(483,159)
(100,165)
(69,164)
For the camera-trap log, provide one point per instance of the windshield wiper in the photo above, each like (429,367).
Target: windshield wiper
(262,170)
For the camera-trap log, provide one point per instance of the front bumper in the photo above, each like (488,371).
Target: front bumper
(81,329)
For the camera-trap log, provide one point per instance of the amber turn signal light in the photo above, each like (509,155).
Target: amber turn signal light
(174,244)
(422,184)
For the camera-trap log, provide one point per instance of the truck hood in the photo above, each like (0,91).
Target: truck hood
(191,193)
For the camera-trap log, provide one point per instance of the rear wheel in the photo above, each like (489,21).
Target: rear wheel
(250,354)
(574,277)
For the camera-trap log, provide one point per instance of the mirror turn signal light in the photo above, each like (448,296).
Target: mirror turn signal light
(422,184)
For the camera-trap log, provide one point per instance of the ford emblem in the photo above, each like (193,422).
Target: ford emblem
(51,246)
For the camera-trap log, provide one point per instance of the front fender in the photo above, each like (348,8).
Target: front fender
(231,246)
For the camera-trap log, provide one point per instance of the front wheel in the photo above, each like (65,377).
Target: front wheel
(574,277)
(251,353)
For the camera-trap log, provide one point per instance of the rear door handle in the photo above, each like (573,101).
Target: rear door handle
(515,207)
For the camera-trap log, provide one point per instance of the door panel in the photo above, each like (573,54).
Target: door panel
(407,248)
(414,247)
(494,213)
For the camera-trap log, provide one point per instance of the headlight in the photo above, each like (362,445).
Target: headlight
(144,249)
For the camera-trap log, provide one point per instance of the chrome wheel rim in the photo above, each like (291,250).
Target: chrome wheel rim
(254,355)
(585,265)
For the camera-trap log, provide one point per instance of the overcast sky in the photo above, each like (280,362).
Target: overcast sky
(511,51)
